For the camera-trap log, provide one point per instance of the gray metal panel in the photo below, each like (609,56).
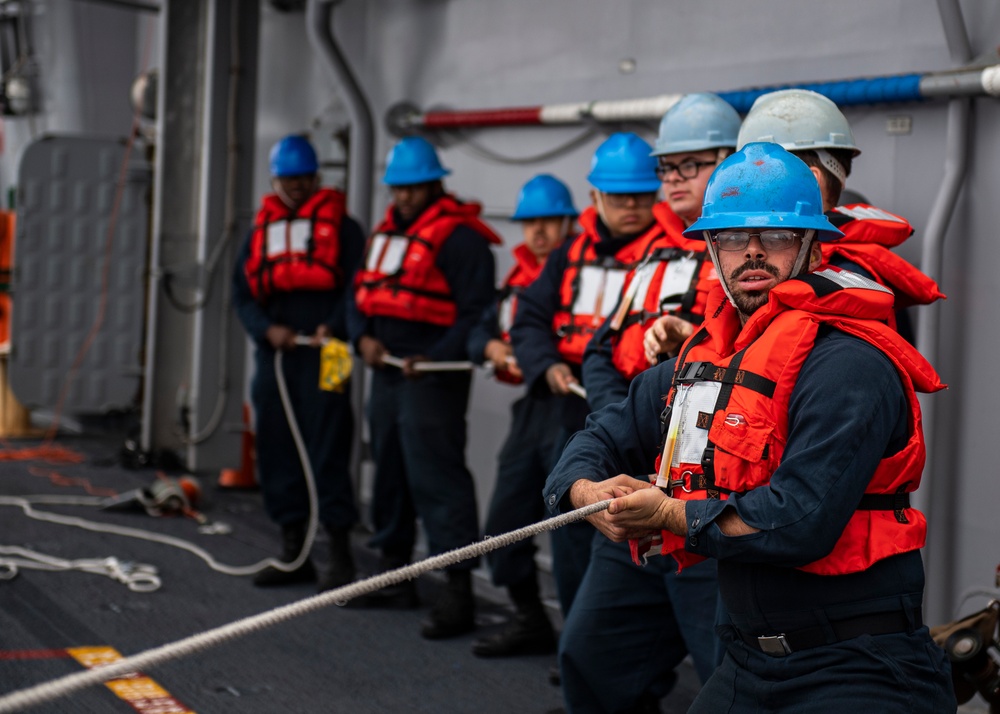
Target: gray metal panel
(67,188)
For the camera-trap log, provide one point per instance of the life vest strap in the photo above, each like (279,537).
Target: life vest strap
(691,372)
(896,502)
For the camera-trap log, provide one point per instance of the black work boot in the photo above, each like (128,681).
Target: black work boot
(401,596)
(293,537)
(528,632)
(341,569)
(454,613)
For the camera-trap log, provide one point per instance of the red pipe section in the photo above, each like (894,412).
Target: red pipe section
(517,116)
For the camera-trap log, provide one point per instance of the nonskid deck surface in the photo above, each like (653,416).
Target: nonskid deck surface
(334,660)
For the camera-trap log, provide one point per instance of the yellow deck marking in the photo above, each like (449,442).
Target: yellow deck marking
(140,691)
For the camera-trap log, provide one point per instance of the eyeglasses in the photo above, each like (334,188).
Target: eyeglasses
(685,169)
(776,239)
(622,200)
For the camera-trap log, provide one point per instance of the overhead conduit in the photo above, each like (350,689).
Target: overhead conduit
(878,90)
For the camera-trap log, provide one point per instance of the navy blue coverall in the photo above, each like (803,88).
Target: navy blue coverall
(324,418)
(535,346)
(523,464)
(418,426)
(847,412)
(657,584)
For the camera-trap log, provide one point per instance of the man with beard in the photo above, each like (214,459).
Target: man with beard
(785,448)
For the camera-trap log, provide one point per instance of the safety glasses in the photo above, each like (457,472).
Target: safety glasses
(685,169)
(774,239)
(624,200)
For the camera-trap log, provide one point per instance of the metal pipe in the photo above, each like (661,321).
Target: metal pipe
(984,81)
(128,4)
(939,497)
(149,365)
(955,33)
(319,16)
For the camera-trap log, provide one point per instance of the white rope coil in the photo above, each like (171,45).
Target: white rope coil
(54,689)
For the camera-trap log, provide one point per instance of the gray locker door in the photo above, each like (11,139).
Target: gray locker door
(66,201)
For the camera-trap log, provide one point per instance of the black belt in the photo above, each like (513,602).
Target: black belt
(879,623)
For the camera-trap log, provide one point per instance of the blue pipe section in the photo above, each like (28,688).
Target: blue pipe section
(901,88)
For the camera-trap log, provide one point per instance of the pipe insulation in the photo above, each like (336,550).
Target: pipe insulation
(877,90)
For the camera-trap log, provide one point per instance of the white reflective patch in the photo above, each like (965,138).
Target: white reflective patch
(690,400)
(299,235)
(599,291)
(375,250)
(641,280)
(505,313)
(676,281)
(386,253)
(869,212)
(847,279)
(276,244)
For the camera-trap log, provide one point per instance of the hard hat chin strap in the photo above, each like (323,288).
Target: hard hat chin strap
(600,207)
(718,268)
(802,259)
(282,195)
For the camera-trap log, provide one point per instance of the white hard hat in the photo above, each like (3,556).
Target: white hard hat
(798,119)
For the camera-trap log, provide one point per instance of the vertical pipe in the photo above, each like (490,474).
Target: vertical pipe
(319,16)
(155,247)
(936,499)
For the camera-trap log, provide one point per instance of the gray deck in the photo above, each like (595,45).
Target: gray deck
(334,660)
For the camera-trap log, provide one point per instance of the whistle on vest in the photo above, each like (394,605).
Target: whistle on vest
(335,366)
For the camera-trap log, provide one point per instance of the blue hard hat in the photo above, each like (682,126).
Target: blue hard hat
(544,196)
(622,164)
(411,161)
(763,186)
(293,156)
(696,123)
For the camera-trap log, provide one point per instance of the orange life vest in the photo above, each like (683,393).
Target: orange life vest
(728,410)
(400,277)
(591,284)
(674,279)
(296,250)
(869,233)
(524,272)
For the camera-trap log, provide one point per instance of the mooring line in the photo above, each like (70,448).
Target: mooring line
(56,688)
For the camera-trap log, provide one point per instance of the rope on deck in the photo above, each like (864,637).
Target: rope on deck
(56,688)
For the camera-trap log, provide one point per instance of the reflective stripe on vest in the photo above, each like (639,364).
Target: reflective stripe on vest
(592,285)
(296,250)
(400,277)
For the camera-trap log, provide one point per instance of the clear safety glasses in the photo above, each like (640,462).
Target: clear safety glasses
(775,239)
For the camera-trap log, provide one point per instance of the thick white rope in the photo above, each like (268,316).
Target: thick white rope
(54,689)
(141,577)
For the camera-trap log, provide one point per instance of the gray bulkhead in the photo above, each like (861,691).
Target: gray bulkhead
(465,54)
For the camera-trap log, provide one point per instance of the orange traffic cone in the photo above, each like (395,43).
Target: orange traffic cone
(245,475)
